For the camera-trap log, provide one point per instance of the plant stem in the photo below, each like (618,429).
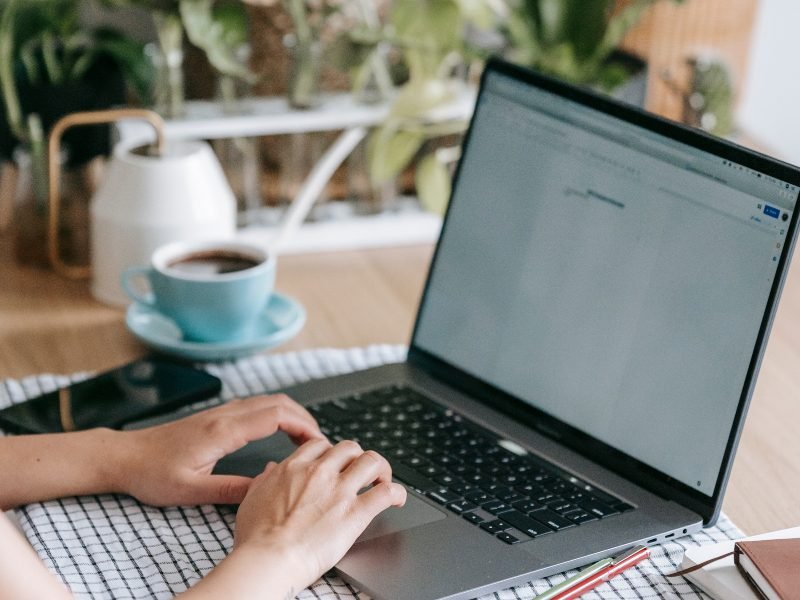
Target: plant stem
(169,29)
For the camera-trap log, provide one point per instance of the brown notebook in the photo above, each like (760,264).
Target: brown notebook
(771,567)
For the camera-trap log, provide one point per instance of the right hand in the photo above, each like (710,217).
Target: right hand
(308,507)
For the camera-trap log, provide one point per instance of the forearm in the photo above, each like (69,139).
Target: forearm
(249,572)
(24,576)
(42,467)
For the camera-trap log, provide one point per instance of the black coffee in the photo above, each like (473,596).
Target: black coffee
(213,262)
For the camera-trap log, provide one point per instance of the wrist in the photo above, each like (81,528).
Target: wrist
(269,571)
(113,450)
(286,559)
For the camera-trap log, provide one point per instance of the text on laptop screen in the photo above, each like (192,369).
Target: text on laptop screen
(606,275)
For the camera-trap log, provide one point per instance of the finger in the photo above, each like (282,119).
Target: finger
(259,402)
(218,489)
(342,454)
(377,499)
(259,424)
(311,450)
(365,470)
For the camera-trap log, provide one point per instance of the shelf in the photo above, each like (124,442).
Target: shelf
(260,116)
(206,120)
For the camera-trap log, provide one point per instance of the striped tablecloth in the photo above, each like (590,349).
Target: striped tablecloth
(115,547)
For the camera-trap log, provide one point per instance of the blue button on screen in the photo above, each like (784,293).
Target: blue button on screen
(771,211)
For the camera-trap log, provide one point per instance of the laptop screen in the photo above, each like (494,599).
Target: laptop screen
(609,276)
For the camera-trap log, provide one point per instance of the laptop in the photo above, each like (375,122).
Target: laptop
(585,349)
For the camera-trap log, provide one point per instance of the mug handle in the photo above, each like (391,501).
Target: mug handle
(131,273)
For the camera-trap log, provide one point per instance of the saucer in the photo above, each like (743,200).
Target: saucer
(280,321)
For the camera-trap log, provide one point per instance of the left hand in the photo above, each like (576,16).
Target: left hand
(171,464)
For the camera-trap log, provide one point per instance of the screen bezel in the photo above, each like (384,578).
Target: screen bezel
(615,460)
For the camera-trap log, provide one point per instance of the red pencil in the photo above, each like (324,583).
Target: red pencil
(623,563)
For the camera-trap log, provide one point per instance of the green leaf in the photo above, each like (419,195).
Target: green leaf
(27,54)
(207,33)
(52,66)
(390,150)
(130,57)
(430,29)
(418,97)
(433,184)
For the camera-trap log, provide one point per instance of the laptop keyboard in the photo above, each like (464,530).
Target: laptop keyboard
(464,467)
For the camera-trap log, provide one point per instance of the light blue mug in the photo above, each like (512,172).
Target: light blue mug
(207,305)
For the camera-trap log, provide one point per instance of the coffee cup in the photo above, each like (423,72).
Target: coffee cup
(214,291)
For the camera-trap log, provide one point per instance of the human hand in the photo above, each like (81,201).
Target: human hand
(171,464)
(308,509)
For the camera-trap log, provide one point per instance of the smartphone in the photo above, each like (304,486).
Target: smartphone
(143,388)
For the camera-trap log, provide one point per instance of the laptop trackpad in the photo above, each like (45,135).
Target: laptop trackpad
(415,512)
(252,458)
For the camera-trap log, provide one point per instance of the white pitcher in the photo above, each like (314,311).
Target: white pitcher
(149,196)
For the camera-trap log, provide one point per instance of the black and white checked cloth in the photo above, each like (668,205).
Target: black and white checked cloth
(115,547)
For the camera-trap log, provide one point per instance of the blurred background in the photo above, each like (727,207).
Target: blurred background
(272,84)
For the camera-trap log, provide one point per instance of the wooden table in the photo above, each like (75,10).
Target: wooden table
(355,298)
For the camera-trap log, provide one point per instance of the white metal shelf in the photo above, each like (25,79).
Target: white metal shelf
(258,116)
(255,117)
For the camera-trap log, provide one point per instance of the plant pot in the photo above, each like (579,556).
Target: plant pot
(303,88)
(634,89)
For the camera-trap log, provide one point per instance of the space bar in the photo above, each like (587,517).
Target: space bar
(410,477)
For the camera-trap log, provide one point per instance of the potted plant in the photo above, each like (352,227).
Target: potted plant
(51,66)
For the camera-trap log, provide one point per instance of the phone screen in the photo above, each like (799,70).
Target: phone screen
(142,388)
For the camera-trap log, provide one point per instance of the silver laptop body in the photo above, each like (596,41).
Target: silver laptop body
(600,297)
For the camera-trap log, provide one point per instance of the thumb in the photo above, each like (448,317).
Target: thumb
(220,489)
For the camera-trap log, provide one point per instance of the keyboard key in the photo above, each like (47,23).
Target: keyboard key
(529,489)
(507,538)
(579,517)
(398,452)
(526,506)
(506,494)
(513,497)
(560,505)
(598,509)
(430,470)
(495,526)
(622,507)
(448,480)
(442,496)
(461,506)
(415,461)
(525,524)
(551,519)
(478,496)
(495,507)
(473,518)
(462,487)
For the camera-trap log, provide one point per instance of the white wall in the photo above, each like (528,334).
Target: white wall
(770,108)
